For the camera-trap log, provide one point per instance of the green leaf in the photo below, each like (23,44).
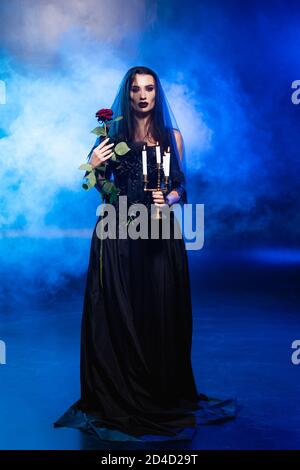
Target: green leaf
(109,191)
(121,148)
(107,187)
(92,178)
(89,181)
(99,131)
(86,185)
(86,166)
(113,195)
(114,157)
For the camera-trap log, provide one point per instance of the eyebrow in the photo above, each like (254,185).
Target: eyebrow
(137,86)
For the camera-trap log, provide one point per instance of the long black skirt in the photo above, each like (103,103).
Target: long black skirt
(137,382)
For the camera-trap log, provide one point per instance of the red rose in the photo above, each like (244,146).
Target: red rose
(104,115)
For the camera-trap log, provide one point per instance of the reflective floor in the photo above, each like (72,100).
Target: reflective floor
(246,316)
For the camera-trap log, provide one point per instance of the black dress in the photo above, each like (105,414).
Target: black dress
(137,382)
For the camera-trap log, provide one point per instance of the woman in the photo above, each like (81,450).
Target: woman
(137,382)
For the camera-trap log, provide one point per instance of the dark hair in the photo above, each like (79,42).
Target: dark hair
(125,128)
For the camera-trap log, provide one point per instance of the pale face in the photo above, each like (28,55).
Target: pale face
(142,93)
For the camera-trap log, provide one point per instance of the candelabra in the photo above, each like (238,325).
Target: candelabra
(161,185)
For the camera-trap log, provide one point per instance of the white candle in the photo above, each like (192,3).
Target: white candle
(166,162)
(158,158)
(144,155)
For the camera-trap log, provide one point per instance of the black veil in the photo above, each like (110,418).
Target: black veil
(163,127)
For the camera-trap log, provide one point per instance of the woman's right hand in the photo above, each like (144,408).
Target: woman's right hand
(101,153)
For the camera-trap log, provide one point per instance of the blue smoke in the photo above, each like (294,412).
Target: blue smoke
(227,68)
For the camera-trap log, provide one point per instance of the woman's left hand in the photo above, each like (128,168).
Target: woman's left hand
(158,198)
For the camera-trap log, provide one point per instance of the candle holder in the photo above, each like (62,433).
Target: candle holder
(161,186)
